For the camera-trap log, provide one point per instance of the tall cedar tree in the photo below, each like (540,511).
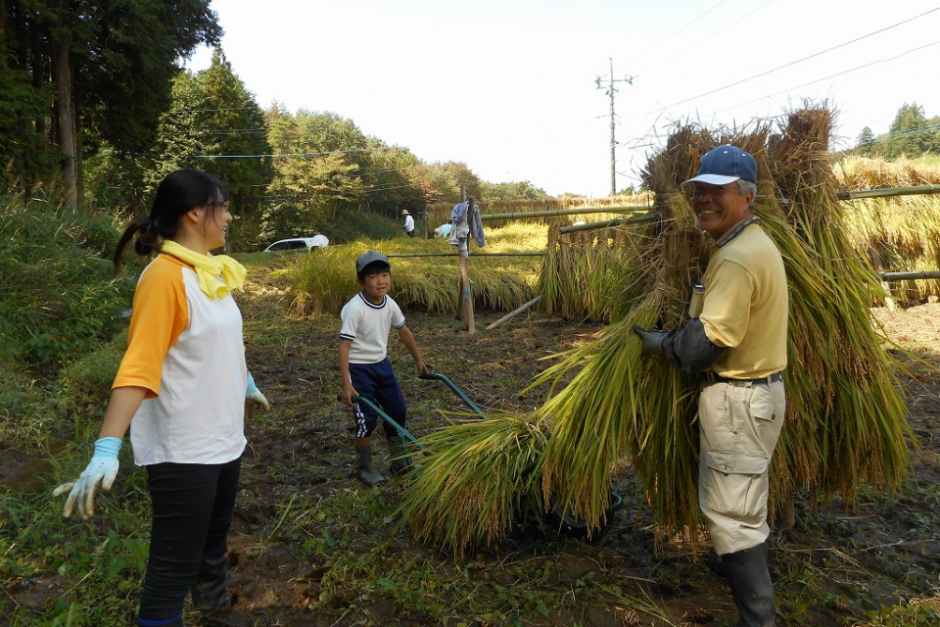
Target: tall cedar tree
(109,64)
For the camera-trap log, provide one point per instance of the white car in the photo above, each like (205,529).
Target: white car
(296,243)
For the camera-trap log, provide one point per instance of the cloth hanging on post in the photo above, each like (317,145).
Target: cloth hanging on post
(466,222)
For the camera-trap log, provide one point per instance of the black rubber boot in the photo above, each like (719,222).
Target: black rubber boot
(210,592)
(751,587)
(400,462)
(716,565)
(366,472)
(176,623)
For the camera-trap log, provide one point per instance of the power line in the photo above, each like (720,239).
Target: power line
(716,32)
(179,111)
(681,28)
(792,63)
(290,154)
(825,78)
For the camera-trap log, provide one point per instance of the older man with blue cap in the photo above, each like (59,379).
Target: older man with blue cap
(737,338)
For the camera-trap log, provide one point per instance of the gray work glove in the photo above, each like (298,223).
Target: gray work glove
(652,340)
(102,468)
(254,394)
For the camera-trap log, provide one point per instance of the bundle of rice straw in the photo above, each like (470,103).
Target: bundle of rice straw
(846,419)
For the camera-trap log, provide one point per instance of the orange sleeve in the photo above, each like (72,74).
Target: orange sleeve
(160,315)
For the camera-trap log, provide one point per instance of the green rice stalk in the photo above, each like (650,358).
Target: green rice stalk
(475,481)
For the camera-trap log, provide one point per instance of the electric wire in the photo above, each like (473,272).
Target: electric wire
(792,63)
(680,29)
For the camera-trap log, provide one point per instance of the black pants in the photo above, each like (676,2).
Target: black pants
(192,512)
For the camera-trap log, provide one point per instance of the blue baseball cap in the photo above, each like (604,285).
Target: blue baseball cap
(723,165)
(370,258)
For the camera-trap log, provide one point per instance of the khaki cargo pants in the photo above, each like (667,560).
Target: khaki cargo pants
(739,424)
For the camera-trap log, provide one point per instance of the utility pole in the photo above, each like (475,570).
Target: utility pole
(611,90)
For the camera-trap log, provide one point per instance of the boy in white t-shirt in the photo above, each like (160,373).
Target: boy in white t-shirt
(364,365)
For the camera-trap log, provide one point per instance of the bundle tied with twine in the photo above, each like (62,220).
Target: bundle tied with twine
(846,419)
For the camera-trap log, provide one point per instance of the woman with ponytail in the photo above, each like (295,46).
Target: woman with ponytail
(181,389)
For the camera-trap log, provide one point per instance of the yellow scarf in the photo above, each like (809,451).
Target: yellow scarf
(209,269)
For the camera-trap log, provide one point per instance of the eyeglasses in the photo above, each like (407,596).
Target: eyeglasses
(700,191)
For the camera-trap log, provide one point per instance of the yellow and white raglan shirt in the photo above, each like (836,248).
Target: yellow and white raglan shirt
(187,350)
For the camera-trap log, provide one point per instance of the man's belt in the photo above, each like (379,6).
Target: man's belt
(711,377)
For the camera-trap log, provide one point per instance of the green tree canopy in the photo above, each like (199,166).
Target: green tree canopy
(908,134)
(522,190)
(104,66)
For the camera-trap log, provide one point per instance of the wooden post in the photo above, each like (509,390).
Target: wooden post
(466,297)
(514,312)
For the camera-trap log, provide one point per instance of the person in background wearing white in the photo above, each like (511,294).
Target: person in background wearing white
(409,225)
(181,388)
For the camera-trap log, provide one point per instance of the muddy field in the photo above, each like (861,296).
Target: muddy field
(313,546)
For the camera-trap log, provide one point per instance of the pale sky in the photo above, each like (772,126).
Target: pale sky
(509,86)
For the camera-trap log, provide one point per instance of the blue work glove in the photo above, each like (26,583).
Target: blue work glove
(254,394)
(652,340)
(102,468)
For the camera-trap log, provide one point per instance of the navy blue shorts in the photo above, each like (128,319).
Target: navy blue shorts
(377,383)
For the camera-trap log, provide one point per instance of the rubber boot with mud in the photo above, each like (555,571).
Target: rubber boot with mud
(178,622)
(366,472)
(210,592)
(400,463)
(751,586)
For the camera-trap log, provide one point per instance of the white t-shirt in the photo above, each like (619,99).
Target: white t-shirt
(187,350)
(367,325)
(409,224)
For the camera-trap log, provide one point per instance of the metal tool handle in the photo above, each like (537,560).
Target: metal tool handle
(436,376)
(402,432)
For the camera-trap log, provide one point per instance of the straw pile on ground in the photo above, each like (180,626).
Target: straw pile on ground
(846,420)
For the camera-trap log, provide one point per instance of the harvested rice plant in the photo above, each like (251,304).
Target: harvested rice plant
(896,234)
(425,272)
(522,211)
(846,419)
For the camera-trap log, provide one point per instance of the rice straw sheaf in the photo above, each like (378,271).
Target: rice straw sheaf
(846,421)
(899,235)
(474,482)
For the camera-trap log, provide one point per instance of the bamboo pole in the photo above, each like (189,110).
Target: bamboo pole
(466,298)
(565,212)
(868,193)
(510,254)
(907,276)
(599,225)
(514,312)
(888,192)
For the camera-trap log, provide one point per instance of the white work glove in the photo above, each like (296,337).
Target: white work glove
(102,468)
(254,394)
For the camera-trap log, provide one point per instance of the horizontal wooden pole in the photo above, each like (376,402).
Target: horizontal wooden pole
(907,276)
(519,254)
(888,192)
(616,221)
(515,215)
